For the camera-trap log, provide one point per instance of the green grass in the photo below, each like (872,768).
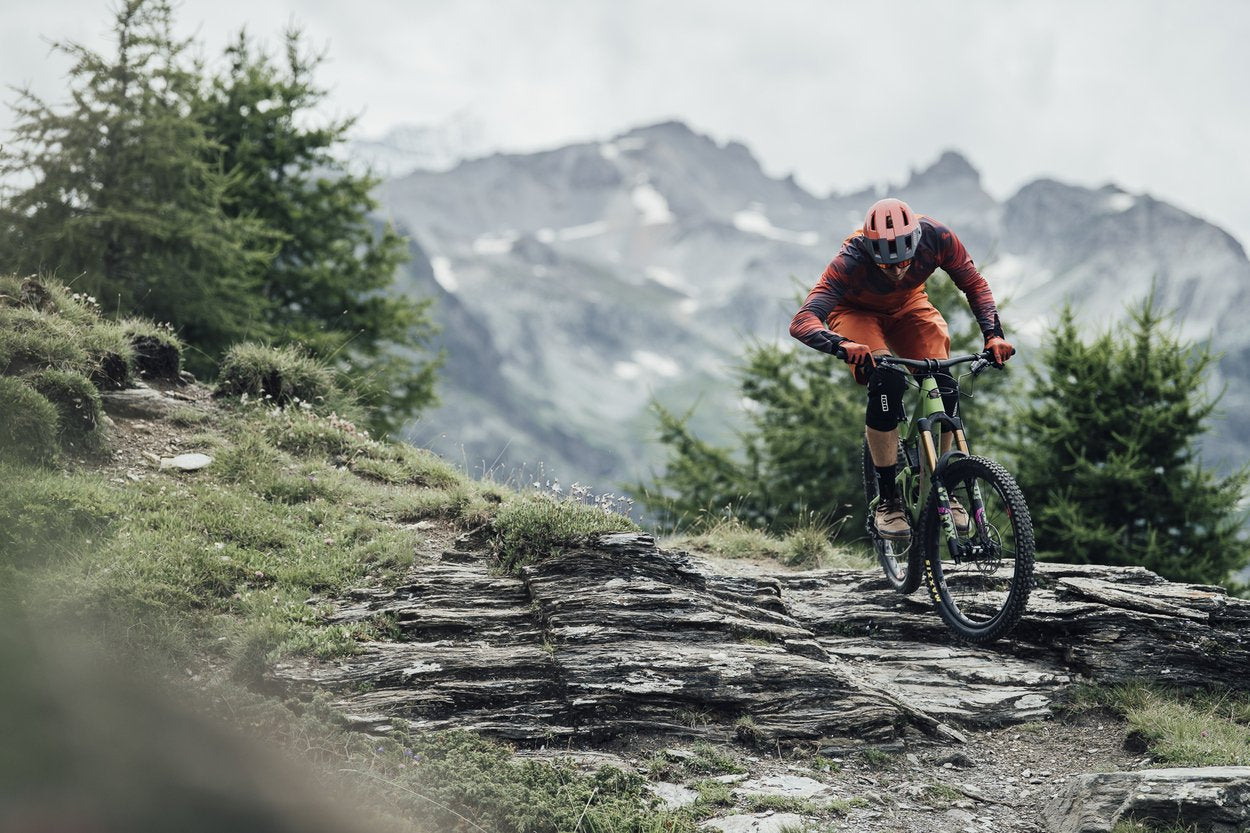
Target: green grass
(535,525)
(876,758)
(281,375)
(1202,729)
(1132,826)
(50,327)
(226,557)
(77,404)
(29,424)
(943,793)
(713,795)
(806,547)
(701,759)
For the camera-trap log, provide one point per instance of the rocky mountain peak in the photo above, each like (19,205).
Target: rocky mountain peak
(608,272)
(950,167)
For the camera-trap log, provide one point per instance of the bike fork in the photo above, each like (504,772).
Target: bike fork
(975,508)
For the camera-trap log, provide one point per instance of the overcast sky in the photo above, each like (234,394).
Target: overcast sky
(1148,94)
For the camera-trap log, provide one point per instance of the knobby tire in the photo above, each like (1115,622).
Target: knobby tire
(981,596)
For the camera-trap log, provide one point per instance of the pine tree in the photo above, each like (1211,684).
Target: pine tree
(326,285)
(797,462)
(119,195)
(1108,453)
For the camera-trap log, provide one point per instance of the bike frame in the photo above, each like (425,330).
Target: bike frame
(925,463)
(924,434)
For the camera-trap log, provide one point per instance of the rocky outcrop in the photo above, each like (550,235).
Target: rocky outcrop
(1213,799)
(622,638)
(1110,624)
(616,640)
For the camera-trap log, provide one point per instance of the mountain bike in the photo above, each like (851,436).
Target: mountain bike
(978,577)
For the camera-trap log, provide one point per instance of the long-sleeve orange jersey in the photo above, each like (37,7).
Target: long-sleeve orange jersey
(852,280)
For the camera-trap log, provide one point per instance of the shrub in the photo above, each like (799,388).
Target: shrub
(28,423)
(537,525)
(110,355)
(302,431)
(157,349)
(47,327)
(280,374)
(76,400)
(30,340)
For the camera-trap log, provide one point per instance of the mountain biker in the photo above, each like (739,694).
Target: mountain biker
(870,301)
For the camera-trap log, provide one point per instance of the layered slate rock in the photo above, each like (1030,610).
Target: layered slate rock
(960,685)
(466,651)
(618,639)
(621,638)
(1108,624)
(1117,624)
(646,642)
(1213,799)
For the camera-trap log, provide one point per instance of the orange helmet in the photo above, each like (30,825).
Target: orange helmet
(893,231)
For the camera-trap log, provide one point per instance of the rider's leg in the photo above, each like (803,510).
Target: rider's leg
(882,446)
(886,386)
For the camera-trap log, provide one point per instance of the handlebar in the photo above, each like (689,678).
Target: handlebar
(979,361)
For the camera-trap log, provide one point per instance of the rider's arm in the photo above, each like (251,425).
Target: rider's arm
(808,324)
(954,258)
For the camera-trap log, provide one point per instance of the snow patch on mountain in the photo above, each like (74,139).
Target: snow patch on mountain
(495,244)
(668,278)
(651,205)
(1118,203)
(444,274)
(646,363)
(625,144)
(580,232)
(753,221)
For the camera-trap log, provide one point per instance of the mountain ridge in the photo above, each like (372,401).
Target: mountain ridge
(610,272)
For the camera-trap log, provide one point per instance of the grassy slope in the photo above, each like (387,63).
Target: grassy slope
(212,572)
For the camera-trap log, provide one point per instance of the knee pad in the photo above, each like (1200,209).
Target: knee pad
(886,386)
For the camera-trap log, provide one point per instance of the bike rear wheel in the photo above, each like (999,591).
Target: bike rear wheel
(979,579)
(900,560)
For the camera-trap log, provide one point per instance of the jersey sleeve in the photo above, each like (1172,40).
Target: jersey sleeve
(808,324)
(954,258)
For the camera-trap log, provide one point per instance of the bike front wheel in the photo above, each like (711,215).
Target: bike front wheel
(979,578)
